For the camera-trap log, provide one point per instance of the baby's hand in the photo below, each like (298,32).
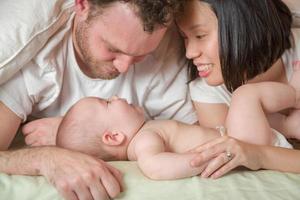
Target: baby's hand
(41,132)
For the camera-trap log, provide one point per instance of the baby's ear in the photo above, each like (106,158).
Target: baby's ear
(113,138)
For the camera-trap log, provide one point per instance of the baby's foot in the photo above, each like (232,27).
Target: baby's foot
(293,124)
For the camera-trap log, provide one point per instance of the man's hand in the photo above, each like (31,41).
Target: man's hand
(41,132)
(78,176)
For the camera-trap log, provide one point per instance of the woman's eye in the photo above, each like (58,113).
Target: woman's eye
(200,36)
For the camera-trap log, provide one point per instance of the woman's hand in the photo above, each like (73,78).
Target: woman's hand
(224,154)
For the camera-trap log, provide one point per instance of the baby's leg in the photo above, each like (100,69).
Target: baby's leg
(295,82)
(292,122)
(246,119)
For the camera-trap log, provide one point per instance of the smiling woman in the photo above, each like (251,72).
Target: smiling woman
(235,42)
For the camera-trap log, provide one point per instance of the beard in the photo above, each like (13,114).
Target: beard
(89,64)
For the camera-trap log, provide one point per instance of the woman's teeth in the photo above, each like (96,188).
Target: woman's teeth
(204,67)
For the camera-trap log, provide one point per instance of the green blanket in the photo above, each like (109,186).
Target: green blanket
(239,185)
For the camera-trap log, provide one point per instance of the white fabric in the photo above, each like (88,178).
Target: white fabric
(280,140)
(202,92)
(25,28)
(52,81)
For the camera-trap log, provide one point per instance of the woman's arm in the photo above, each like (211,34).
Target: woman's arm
(211,114)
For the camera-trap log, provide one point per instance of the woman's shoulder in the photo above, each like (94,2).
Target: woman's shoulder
(200,91)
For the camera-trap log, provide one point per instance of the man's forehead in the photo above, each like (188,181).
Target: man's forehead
(123,30)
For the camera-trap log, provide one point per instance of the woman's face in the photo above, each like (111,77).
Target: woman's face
(199,28)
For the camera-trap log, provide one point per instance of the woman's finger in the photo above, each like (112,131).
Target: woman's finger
(210,144)
(215,164)
(225,168)
(209,153)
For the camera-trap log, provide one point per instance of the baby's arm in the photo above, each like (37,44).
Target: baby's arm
(157,163)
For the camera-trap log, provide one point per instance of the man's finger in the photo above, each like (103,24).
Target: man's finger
(98,191)
(110,182)
(83,192)
(117,174)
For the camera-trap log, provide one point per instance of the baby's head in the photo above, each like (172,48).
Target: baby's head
(100,128)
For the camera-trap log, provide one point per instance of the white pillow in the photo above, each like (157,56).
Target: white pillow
(25,27)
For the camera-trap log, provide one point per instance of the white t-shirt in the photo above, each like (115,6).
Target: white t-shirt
(52,81)
(202,92)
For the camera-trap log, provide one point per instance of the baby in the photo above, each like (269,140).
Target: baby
(116,130)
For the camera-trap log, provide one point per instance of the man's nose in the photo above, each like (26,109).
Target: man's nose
(122,63)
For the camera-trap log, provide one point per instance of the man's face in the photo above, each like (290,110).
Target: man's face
(109,43)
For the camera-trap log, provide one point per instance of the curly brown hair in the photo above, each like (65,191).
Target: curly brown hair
(152,13)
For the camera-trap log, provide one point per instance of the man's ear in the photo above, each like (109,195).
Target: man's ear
(82,8)
(113,138)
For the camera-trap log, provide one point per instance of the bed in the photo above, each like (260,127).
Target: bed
(239,184)
(263,184)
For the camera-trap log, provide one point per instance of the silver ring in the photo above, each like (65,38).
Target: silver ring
(229,156)
(221,129)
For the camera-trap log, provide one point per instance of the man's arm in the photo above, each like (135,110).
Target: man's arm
(75,175)
(9,125)
(156,163)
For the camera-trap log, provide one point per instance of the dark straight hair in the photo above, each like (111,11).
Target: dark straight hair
(253,34)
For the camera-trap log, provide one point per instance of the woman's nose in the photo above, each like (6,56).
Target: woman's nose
(192,51)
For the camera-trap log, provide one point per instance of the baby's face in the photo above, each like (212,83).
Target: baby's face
(118,115)
(91,117)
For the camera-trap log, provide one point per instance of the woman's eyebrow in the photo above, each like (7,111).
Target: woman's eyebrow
(195,26)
